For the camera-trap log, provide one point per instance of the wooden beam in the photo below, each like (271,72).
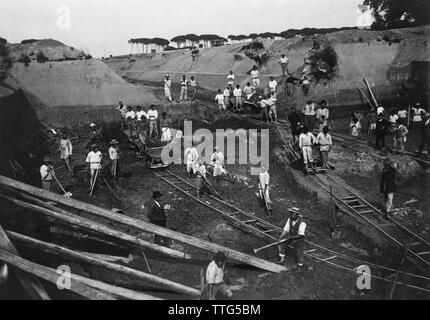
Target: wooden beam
(75,220)
(31,285)
(137,274)
(51,276)
(144,226)
(370,92)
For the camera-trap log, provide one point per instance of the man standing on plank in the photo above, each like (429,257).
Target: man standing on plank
(215,277)
(157,216)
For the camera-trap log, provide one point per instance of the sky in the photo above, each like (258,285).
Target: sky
(103,27)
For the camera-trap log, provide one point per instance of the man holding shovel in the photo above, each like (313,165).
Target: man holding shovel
(295,228)
(94,159)
(47,174)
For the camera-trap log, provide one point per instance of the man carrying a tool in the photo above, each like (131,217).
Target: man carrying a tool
(114,154)
(66,151)
(94,159)
(295,228)
(215,277)
(47,174)
(201,178)
(157,216)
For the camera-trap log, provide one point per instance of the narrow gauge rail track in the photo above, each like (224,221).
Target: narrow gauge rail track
(256,226)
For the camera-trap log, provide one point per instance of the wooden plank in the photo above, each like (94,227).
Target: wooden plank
(144,226)
(137,274)
(51,276)
(74,220)
(31,285)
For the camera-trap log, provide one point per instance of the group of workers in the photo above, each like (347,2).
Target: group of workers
(188,88)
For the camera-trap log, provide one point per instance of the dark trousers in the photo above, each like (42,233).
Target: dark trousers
(421,147)
(159,239)
(297,250)
(380,141)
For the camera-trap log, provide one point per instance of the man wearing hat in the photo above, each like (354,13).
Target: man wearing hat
(388,184)
(295,228)
(309,111)
(184,88)
(47,174)
(417,112)
(322,115)
(114,154)
(157,216)
(215,277)
(264,183)
(217,159)
(94,159)
(153,121)
(168,88)
(191,155)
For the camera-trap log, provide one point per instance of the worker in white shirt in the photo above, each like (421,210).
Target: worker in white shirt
(380,110)
(201,178)
(153,121)
(184,88)
(248,90)
(295,228)
(237,93)
(66,150)
(130,117)
(255,75)
(219,98)
(264,109)
(322,115)
(403,116)
(417,111)
(306,140)
(273,87)
(94,159)
(166,133)
(325,142)
(309,111)
(167,88)
(393,118)
(226,95)
(217,161)
(283,61)
(230,81)
(271,103)
(47,174)
(215,277)
(114,154)
(122,110)
(141,117)
(264,184)
(191,156)
(193,88)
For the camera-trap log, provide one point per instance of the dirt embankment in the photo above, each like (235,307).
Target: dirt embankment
(385,58)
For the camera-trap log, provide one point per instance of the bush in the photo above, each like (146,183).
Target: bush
(28,41)
(169,48)
(41,58)
(24,58)
(325,59)
(4,51)
(3,40)
(88,56)
(254,45)
(131,61)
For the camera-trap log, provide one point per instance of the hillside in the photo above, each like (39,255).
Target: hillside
(385,58)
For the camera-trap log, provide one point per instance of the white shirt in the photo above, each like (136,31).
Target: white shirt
(322,112)
(237,92)
(283,60)
(191,154)
(263,103)
(218,157)
(273,84)
(214,274)
(219,98)
(309,109)
(248,90)
(152,114)
(140,114)
(230,78)
(271,101)
(302,227)
(167,83)
(193,83)
(393,118)
(264,178)
(44,174)
(130,115)
(113,153)
(255,74)
(417,113)
(324,141)
(226,93)
(402,114)
(306,139)
(66,146)
(94,157)
(380,110)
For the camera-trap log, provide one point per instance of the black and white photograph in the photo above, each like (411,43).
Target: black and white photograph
(218,156)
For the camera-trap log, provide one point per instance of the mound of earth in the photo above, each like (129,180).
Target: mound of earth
(361,53)
(53,50)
